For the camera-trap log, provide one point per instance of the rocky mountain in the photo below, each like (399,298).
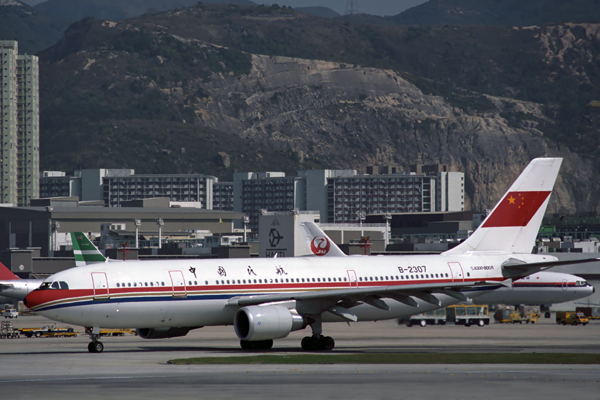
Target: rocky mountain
(219,89)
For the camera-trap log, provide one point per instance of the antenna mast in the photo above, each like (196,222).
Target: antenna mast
(351,7)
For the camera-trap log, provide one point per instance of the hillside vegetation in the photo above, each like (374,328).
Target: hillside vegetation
(272,88)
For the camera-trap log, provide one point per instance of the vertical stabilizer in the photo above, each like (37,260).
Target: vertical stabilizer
(514,223)
(6,274)
(84,250)
(319,243)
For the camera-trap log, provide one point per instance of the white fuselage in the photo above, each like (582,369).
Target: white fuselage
(540,288)
(194,293)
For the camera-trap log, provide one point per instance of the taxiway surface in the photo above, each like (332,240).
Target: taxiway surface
(131,367)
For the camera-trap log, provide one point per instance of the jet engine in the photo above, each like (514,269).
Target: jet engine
(162,333)
(266,322)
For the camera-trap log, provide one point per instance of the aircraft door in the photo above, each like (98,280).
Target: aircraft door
(352,280)
(456,272)
(178,282)
(565,284)
(100,285)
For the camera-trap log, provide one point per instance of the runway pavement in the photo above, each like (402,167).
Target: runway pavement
(131,367)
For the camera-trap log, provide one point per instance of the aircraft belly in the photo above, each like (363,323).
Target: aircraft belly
(168,313)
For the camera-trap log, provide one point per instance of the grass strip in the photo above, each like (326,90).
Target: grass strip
(401,358)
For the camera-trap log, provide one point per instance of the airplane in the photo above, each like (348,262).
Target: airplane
(15,288)
(541,288)
(267,299)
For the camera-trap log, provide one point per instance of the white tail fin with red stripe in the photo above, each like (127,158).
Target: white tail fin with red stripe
(514,223)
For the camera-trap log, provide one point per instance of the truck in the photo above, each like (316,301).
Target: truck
(10,313)
(48,331)
(591,313)
(468,315)
(435,317)
(508,316)
(571,318)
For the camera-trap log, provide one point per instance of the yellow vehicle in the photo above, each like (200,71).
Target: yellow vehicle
(571,318)
(48,331)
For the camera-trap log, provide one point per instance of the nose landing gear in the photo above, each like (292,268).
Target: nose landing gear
(95,346)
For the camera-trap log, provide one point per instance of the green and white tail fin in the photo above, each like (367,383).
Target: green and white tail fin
(84,250)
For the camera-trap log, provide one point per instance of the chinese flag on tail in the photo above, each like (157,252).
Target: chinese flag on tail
(516,209)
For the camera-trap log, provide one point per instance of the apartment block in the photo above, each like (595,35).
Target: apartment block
(19,125)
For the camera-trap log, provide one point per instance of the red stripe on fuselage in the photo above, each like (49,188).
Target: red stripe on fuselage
(40,297)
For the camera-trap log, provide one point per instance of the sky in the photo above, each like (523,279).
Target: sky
(374,7)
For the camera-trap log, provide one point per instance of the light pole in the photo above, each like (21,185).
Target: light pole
(137,223)
(388,230)
(160,223)
(245,220)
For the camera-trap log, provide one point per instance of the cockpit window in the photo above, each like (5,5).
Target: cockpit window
(54,285)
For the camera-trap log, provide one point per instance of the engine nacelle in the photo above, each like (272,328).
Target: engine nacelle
(162,333)
(266,322)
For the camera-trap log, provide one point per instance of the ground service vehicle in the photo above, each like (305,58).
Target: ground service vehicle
(571,318)
(48,331)
(435,317)
(468,315)
(589,312)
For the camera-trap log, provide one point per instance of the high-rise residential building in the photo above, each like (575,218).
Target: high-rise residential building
(19,125)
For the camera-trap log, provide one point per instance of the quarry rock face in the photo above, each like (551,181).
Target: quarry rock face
(365,116)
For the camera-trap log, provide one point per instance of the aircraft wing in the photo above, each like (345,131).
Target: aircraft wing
(337,301)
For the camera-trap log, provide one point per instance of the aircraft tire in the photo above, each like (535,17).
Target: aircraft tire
(310,343)
(423,323)
(326,343)
(480,323)
(95,347)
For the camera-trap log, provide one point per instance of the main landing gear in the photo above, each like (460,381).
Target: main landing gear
(314,343)
(317,341)
(95,345)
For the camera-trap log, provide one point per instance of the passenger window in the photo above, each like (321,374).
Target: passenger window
(216,282)
(313,279)
(206,282)
(162,284)
(302,280)
(334,279)
(134,284)
(189,283)
(129,284)
(118,285)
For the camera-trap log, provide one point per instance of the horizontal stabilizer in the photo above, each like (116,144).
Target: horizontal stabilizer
(515,268)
